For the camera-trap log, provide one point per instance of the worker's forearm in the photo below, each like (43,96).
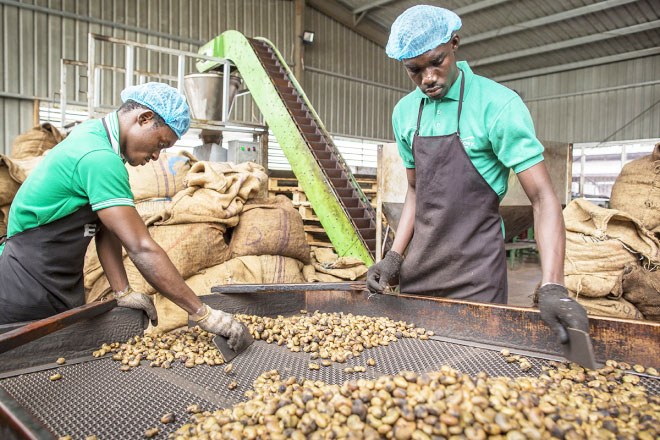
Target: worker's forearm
(156,267)
(406,224)
(108,248)
(550,238)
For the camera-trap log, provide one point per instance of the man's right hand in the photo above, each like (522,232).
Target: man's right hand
(223,324)
(380,274)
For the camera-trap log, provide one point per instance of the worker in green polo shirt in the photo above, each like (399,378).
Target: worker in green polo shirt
(459,134)
(81,190)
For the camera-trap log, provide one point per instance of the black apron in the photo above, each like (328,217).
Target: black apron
(41,269)
(457,248)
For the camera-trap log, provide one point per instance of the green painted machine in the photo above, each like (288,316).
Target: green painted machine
(341,206)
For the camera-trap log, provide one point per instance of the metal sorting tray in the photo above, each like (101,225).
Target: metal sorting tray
(97,398)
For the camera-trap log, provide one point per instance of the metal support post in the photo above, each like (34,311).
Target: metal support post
(63,94)
(298,48)
(91,51)
(97,95)
(130,65)
(624,155)
(379,203)
(583,161)
(181,70)
(225,92)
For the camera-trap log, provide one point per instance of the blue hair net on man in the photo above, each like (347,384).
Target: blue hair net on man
(420,29)
(165,101)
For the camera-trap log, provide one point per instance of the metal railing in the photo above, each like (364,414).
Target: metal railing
(94,72)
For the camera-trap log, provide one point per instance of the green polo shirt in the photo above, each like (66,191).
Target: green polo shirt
(86,168)
(496,127)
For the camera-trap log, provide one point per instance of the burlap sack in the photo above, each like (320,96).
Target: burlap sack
(642,288)
(4,214)
(191,248)
(599,244)
(616,308)
(162,178)
(593,267)
(326,261)
(264,269)
(152,210)
(4,219)
(216,193)
(637,190)
(312,276)
(13,172)
(270,226)
(35,141)
(280,269)
(8,186)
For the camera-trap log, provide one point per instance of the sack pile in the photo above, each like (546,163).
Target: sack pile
(637,191)
(27,150)
(160,179)
(328,267)
(602,247)
(35,142)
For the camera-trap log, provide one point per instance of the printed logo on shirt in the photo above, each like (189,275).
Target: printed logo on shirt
(468,142)
(90,230)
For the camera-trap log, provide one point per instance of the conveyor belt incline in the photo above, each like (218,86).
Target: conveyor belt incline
(341,206)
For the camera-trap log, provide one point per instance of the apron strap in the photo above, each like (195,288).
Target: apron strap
(460,107)
(419,116)
(460,104)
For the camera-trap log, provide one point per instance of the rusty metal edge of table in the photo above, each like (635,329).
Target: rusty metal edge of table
(500,325)
(17,423)
(515,327)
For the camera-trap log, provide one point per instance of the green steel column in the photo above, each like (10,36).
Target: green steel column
(234,46)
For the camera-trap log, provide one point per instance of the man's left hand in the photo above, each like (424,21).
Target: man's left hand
(560,312)
(140,301)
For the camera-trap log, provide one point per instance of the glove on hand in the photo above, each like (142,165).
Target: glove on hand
(380,274)
(140,301)
(559,311)
(221,323)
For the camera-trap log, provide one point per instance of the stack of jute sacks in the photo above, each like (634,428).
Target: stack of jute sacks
(209,219)
(612,263)
(26,152)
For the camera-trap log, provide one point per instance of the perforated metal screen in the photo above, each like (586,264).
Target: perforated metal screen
(97,398)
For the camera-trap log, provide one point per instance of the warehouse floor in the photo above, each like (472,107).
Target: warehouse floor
(523,280)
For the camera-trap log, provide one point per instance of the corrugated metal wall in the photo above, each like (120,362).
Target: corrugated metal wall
(618,101)
(350,107)
(33,41)
(36,36)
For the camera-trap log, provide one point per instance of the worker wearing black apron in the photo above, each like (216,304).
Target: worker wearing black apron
(80,190)
(451,214)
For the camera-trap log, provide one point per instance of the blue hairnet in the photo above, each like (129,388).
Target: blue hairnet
(165,101)
(420,29)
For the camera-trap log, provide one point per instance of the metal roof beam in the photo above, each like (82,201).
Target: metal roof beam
(478,6)
(335,10)
(371,5)
(541,21)
(580,64)
(566,43)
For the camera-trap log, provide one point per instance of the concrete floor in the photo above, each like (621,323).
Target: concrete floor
(523,280)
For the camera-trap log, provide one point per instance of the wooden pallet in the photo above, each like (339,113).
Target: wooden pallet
(316,235)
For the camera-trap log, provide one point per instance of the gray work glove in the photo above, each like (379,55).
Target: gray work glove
(380,274)
(559,311)
(221,323)
(137,300)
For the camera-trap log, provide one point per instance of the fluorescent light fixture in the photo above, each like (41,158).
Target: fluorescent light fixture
(308,37)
